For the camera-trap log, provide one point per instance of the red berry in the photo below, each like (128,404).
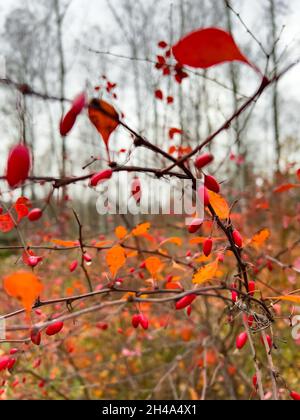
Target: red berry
(136,320)
(195,225)
(249,319)
(79,103)
(255,381)
(73,266)
(11,363)
(241,340)
(185,302)
(203,160)
(207,247)
(87,258)
(144,322)
(252,288)
(203,196)
(269,341)
(212,184)
(100,177)
(13,351)
(4,360)
(35,214)
(159,94)
(54,328)
(33,260)
(36,337)
(238,240)
(102,326)
(67,123)
(18,165)
(295,396)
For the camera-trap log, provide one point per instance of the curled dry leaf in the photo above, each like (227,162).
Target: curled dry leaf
(206,273)
(104,117)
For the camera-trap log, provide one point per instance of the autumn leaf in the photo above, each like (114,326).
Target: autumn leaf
(200,240)
(292,299)
(104,117)
(285,187)
(260,238)
(173,240)
(141,229)
(121,232)
(206,273)
(103,244)
(115,258)
(219,205)
(207,47)
(154,265)
(6,223)
(25,287)
(65,244)
(22,206)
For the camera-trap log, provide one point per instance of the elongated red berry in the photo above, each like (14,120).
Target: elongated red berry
(136,320)
(185,302)
(11,363)
(195,225)
(237,237)
(73,266)
(67,123)
(13,351)
(212,184)
(4,360)
(144,322)
(203,196)
(255,381)
(234,294)
(252,288)
(54,328)
(36,337)
(241,341)
(203,160)
(100,177)
(18,165)
(269,341)
(35,214)
(207,247)
(87,258)
(295,396)
(79,103)
(249,319)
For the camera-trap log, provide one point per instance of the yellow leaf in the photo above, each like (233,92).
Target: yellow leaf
(141,229)
(154,265)
(115,258)
(206,273)
(25,287)
(121,232)
(65,244)
(219,205)
(260,238)
(177,241)
(292,299)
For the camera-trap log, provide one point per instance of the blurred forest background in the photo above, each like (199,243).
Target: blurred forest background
(62,47)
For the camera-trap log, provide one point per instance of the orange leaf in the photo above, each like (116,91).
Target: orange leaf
(286,187)
(103,244)
(206,273)
(154,266)
(173,286)
(121,232)
(219,205)
(201,240)
(104,117)
(65,244)
(260,238)
(141,229)
(115,258)
(6,223)
(205,48)
(292,299)
(175,240)
(25,287)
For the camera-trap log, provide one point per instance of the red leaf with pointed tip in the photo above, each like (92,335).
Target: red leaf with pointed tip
(6,223)
(208,47)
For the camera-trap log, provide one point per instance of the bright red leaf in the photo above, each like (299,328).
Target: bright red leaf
(208,47)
